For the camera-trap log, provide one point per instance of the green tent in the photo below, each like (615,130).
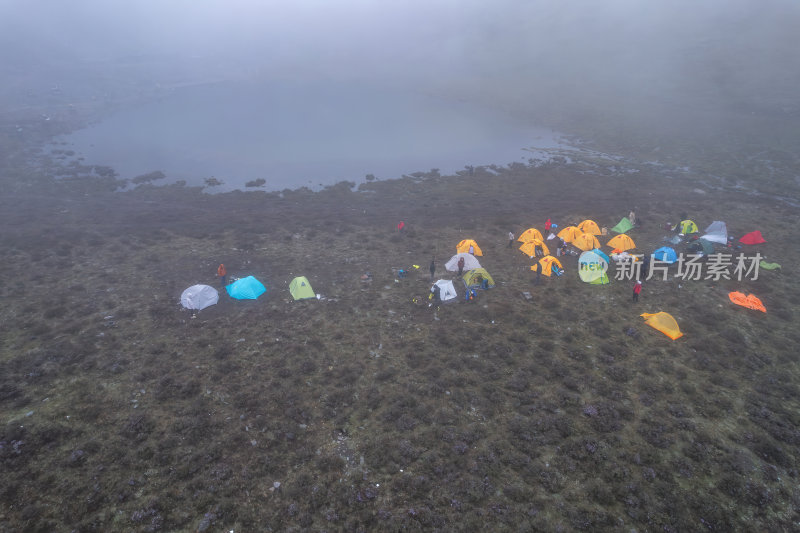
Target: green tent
(301,289)
(602,280)
(474,278)
(623,226)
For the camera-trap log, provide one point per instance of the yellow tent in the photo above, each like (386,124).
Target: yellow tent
(590,226)
(530,234)
(569,234)
(546,264)
(621,242)
(463,247)
(586,242)
(529,247)
(664,323)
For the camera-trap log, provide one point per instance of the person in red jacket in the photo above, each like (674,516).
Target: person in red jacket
(637,288)
(547,227)
(222,273)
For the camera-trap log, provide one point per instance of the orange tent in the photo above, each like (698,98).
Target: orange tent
(663,322)
(546,265)
(530,234)
(749,301)
(463,247)
(590,226)
(587,241)
(569,234)
(621,242)
(529,247)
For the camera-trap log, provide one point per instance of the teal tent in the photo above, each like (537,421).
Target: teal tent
(602,254)
(623,226)
(248,288)
(592,267)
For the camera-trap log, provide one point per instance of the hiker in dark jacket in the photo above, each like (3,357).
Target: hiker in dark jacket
(460,266)
(433,268)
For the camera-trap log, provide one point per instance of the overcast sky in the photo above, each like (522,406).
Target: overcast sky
(663,49)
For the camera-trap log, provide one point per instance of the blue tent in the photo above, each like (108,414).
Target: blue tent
(665,254)
(602,254)
(248,288)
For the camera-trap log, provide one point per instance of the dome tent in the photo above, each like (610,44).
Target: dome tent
(665,254)
(300,289)
(529,247)
(447,291)
(590,226)
(248,288)
(592,267)
(199,297)
(547,264)
(530,234)
(621,242)
(464,245)
(470,262)
(622,226)
(474,279)
(586,242)
(569,234)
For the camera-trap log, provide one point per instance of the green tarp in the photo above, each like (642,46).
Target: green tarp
(769,266)
(623,226)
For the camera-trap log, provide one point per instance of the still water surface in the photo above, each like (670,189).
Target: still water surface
(295,135)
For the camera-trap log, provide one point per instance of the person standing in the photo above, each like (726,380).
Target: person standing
(637,288)
(433,268)
(510,239)
(645,273)
(460,266)
(222,273)
(548,225)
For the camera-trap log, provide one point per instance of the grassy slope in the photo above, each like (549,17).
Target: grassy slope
(121,412)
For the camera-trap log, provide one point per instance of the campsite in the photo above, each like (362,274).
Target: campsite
(295,266)
(368,409)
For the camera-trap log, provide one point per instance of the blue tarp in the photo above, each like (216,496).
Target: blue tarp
(248,288)
(665,254)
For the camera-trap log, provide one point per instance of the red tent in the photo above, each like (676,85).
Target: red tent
(754,237)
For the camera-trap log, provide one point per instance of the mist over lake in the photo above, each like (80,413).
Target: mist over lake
(295,134)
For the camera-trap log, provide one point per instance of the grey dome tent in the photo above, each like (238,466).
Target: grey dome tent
(470,262)
(199,297)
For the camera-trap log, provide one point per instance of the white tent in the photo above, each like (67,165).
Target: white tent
(470,262)
(447,292)
(199,297)
(716,232)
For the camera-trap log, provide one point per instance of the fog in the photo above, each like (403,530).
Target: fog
(561,62)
